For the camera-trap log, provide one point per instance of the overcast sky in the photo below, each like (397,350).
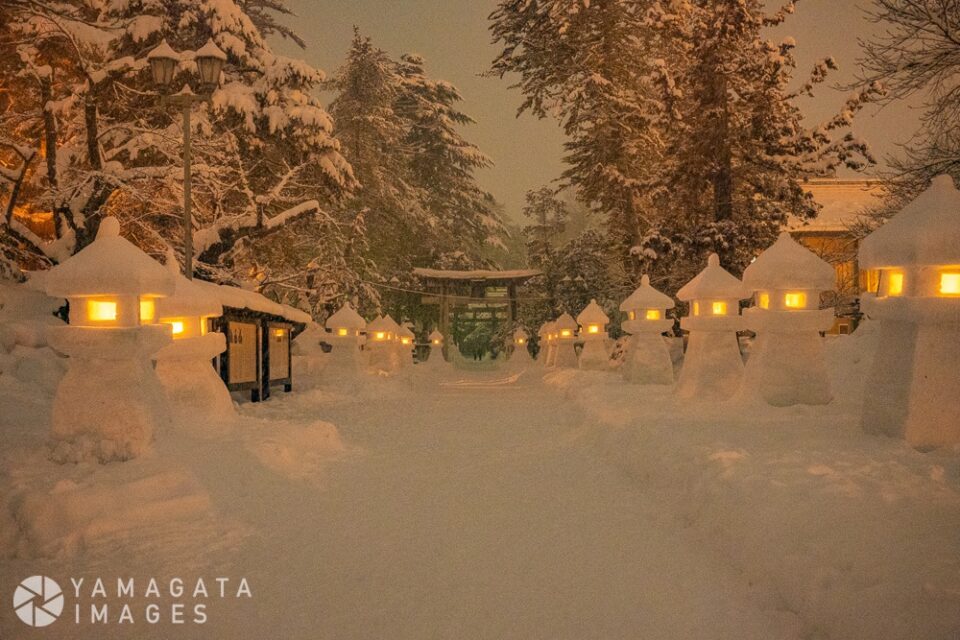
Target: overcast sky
(453,37)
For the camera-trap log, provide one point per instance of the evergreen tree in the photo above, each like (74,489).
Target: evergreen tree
(442,162)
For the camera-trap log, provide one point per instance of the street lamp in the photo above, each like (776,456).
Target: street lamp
(163,65)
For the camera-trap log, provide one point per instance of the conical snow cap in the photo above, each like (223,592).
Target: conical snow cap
(925,232)
(714,282)
(565,322)
(788,265)
(110,265)
(346,317)
(646,297)
(592,314)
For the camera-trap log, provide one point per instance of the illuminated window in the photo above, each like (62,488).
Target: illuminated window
(379,335)
(176,326)
(653,314)
(593,328)
(631,315)
(278,333)
(147,310)
(404,340)
(795,300)
(520,341)
(565,333)
(950,284)
(895,284)
(696,308)
(763,300)
(435,341)
(719,308)
(101,310)
(341,332)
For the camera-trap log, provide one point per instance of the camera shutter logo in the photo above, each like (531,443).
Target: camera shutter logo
(38,601)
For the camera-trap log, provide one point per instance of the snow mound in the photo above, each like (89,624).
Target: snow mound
(294,450)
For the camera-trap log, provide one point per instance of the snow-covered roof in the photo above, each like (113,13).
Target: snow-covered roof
(188,298)
(788,265)
(592,314)
(925,232)
(477,274)
(346,317)
(163,50)
(435,335)
(565,321)
(520,334)
(545,328)
(646,297)
(405,332)
(714,282)
(238,298)
(841,202)
(110,265)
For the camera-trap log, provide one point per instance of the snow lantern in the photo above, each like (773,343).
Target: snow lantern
(647,359)
(381,341)
(109,402)
(913,390)
(565,330)
(712,365)
(344,328)
(593,331)
(406,342)
(543,334)
(521,354)
(786,364)
(197,395)
(435,360)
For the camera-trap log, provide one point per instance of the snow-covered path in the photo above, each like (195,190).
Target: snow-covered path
(459,519)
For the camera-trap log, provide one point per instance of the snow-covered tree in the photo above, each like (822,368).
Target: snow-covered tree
(548,217)
(442,162)
(589,65)
(264,154)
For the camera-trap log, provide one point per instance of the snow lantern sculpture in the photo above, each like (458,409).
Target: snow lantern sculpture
(110,401)
(434,361)
(786,364)
(544,343)
(344,328)
(381,338)
(520,355)
(913,390)
(712,366)
(195,391)
(647,359)
(406,342)
(565,332)
(593,331)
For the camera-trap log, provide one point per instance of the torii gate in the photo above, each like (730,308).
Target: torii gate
(472,297)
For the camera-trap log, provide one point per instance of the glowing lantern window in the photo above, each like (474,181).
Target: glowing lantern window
(279,333)
(521,341)
(719,308)
(763,300)
(696,308)
(147,310)
(950,284)
(101,311)
(565,333)
(435,341)
(379,335)
(653,314)
(631,315)
(341,332)
(177,327)
(404,340)
(593,328)
(795,300)
(895,284)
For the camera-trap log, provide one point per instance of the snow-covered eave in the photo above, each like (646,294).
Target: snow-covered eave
(477,274)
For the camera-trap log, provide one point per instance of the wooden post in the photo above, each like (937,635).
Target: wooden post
(445,317)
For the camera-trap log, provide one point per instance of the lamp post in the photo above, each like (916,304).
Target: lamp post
(163,65)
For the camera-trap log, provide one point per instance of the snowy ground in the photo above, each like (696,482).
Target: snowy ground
(568,505)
